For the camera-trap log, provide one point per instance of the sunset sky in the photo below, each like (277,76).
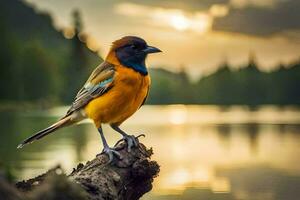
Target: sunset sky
(195,34)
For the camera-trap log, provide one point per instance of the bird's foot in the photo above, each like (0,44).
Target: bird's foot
(131,140)
(111,153)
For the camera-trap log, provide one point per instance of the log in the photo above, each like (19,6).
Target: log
(126,179)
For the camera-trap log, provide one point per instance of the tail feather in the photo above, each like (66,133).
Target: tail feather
(61,123)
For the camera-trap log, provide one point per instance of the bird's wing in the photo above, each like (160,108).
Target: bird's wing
(99,82)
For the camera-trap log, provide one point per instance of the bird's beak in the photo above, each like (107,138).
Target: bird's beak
(151,49)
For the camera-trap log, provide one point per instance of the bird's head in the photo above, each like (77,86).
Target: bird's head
(131,51)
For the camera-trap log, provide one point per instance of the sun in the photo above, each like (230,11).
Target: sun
(179,22)
(200,22)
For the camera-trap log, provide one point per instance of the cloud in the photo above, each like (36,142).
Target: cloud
(260,21)
(170,25)
(253,3)
(188,5)
(219,10)
(178,19)
(252,17)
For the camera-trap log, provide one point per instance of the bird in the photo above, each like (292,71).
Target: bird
(115,90)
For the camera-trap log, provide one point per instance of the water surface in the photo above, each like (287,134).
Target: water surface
(205,152)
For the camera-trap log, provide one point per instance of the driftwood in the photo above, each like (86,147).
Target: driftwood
(126,179)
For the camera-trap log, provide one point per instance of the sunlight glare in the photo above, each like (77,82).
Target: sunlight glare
(178,114)
(180,177)
(202,23)
(179,22)
(199,22)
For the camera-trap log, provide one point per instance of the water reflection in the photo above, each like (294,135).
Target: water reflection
(204,152)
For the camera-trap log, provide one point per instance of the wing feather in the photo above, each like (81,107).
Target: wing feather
(99,82)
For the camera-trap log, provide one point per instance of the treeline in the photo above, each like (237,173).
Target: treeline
(246,85)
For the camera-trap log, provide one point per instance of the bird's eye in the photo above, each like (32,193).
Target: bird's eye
(133,46)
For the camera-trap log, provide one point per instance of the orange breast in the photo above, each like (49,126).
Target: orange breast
(129,90)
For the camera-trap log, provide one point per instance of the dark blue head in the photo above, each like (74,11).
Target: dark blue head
(132,51)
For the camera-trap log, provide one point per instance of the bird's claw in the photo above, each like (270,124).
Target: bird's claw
(131,140)
(111,153)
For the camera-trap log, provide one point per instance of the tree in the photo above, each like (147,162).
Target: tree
(81,61)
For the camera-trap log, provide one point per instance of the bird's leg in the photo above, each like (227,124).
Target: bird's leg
(131,140)
(106,149)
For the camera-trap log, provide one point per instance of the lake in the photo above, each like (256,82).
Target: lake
(205,152)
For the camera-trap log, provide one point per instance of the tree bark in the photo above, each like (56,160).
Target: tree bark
(126,179)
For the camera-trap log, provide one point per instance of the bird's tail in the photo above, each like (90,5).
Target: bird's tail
(65,121)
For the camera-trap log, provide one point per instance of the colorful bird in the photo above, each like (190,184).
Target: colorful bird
(115,90)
